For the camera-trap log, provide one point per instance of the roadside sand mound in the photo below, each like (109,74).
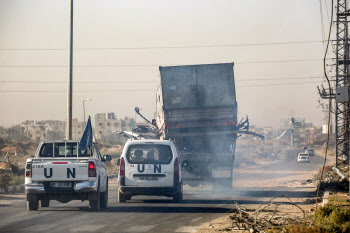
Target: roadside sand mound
(4,166)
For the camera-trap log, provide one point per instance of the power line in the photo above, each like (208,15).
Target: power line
(165,47)
(60,82)
(152,65)
(133,90)
(91,91)
(276,84)
(135,82)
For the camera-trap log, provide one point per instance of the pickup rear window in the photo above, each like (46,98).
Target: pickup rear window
(149,154)
(50,150)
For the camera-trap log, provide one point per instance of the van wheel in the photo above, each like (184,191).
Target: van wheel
(104,198)
(45,203)
(121,197)
(96,204)
(177,197)
(32,205)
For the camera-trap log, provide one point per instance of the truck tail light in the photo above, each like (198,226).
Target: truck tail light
(176,167)
(29,170)
(122,168)
(92,169)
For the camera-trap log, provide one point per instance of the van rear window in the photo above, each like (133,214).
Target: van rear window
(149,154)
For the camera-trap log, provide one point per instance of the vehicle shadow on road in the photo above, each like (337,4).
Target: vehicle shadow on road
(165,209)
(192,201)
(141,209)
(271,193)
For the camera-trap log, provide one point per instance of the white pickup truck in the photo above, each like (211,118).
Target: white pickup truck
(60,171)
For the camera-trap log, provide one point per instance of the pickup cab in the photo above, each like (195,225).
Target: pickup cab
(60,171)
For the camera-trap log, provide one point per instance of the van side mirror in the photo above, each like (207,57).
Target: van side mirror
(184,163)
(118,162)
(107,158)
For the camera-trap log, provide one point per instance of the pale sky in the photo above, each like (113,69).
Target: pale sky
(108,35)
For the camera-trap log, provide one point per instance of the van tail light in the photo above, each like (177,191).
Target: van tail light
(176,167)
(29,170)
(122,168)
(122,172)
(92,169)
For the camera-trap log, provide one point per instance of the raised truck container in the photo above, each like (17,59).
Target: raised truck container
(197,109)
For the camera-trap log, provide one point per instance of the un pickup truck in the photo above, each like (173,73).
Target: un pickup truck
(60,171)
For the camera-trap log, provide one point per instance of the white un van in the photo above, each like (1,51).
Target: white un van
(150,167)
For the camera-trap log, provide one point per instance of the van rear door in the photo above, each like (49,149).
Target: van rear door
(149,165)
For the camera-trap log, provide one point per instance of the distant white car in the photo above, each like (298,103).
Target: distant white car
(303,158)
(310,152)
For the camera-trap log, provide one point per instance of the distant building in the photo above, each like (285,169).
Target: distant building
(106,123)
(33,130)
(77,129)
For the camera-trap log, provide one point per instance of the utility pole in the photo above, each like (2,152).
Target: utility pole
(84,108)
(70,82)
(342,111)
(342,84)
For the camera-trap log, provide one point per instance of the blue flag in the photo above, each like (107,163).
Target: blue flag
(86,139)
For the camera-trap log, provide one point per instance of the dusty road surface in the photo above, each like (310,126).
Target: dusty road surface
(253,185)
(266,180)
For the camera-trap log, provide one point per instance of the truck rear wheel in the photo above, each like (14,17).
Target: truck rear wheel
(104,198)
(96,204)
(45,203)
(32,205)
(121,197)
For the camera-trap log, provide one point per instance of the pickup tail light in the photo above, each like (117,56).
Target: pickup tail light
(92,169)
(176,167)
(29,170)
(122,168)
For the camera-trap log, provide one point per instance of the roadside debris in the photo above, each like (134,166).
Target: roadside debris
(267,215)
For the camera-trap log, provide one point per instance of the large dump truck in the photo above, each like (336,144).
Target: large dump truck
(197,109)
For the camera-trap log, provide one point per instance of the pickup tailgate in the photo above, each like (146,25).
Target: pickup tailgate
(64,170)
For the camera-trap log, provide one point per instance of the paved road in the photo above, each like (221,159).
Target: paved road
(141,214)
(150,214)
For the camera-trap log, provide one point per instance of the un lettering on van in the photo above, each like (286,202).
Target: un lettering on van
(70,173)
(157,168)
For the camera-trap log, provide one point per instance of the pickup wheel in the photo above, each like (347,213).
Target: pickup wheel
(45,203)
(104,197)
(95,204)
(32,205)
(121,197)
